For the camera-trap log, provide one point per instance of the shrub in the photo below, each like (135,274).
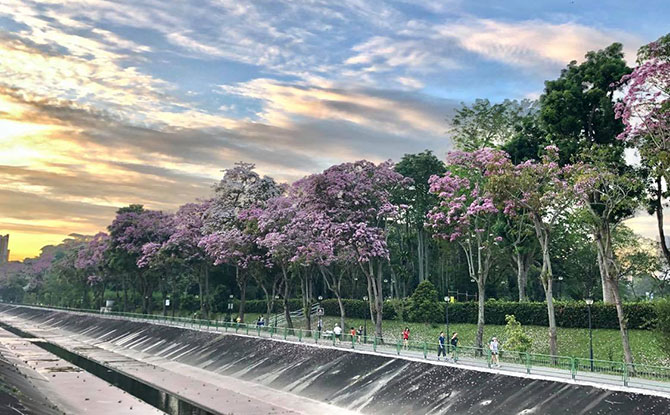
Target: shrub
(516,338)
(663,324)
(423,306)
(641,315)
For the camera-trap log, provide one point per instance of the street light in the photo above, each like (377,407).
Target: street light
(365,330)
(230,307)
(560,280)
(319,312)
(589,302)
(353,288)
(273,310)
(446,313)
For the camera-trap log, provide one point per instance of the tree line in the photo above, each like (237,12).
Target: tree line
(530,202)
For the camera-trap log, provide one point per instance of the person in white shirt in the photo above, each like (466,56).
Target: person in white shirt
(494,352)
(337,330)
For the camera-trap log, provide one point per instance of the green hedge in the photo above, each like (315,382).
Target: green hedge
(568,314)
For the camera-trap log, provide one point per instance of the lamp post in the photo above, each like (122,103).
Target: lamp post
(560,280)
(353,288)
(589,302)
(319,311)
(230,307)
(446,313)
(273,310)
(365,329)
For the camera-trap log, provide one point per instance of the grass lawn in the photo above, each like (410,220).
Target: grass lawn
(571,341)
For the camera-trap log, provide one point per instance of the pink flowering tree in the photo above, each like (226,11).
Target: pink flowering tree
(282,230)
(605,194)
(180,253)
(645,112)
(91,259)
(356,201)
(226,239)
(132,229)
(467,215)
(542,191)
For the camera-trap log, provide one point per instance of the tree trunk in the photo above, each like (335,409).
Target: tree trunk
(125,293)
(522,275)
(546,277)
(334,285)
(200,295)
(605,260)
(242,283)
(379,301)
(173,303)
(623,328)
(426,257)
(659,218)
(206,298)
(339,303)
(480,315)
(609,273)
(287,293)
(306,299)
(420,254)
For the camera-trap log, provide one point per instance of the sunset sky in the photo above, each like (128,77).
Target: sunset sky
(103,104)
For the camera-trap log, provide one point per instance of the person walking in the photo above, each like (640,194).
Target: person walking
(352,333)
(337,331)
(493,346)
(441,350)
(359,333)
(454,346)
(405,338)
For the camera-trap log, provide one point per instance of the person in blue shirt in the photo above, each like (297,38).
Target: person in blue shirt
(441,350)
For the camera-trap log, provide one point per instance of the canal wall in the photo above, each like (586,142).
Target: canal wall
(360,382)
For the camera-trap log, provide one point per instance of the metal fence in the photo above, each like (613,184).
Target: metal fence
(599,371)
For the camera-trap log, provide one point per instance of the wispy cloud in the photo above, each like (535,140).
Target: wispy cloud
(534,43)
(105,103)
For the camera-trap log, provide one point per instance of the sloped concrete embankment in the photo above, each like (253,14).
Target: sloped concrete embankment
(361,382)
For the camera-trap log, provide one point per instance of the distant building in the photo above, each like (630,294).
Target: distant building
(4,249)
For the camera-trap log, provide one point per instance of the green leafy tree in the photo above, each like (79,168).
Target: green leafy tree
(483,124)
(516,338)
(577,109)
(423,305)
(419,167)
(578,114)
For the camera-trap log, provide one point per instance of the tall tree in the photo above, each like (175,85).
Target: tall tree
(92,259)
(543,192)
(357,201)
(466,214)
(240,188)
(419,200)
(645,111)
(577,112)
(605,194)
(132,228)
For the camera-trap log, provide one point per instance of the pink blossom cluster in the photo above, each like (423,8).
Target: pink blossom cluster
(645,107)
(465,207)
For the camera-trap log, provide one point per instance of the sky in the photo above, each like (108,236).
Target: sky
(107,103)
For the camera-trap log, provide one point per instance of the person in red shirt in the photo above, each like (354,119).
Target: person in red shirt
(405,337)
(352,332)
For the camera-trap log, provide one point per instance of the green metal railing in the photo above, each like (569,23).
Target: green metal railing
(638,375)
